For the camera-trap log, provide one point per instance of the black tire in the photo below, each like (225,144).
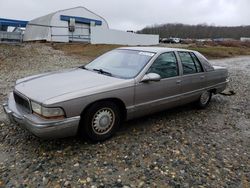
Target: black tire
(204,99)
(96,117)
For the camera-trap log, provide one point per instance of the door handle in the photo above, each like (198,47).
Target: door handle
(178,81)
(202,77)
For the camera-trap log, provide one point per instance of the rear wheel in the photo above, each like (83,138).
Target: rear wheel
(100,121)
(204,99)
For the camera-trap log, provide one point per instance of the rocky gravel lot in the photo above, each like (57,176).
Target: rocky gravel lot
(182,147)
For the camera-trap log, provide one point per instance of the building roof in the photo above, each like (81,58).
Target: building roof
(46,18)
(80,19)
(13,23)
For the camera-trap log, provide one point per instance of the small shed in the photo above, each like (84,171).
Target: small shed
(11,30)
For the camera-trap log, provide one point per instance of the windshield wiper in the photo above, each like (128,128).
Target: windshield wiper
(83,67)
(103,72)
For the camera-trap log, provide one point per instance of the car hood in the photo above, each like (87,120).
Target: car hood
(43,87)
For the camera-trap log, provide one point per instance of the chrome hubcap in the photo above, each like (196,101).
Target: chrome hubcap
(205,97)
(103,121)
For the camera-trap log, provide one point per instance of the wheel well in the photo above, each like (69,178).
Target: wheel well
(118,102)
(213,91)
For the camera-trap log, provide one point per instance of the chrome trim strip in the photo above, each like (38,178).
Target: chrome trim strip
(52,123)
(180,95)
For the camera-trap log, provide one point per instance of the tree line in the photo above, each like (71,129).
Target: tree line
(197,31)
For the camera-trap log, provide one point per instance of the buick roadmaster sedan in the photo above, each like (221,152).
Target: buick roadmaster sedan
(122,84)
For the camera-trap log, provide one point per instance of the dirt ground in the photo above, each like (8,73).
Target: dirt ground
(182,147)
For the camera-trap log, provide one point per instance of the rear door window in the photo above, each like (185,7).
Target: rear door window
(190,63)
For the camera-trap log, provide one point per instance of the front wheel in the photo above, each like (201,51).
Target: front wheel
(204,99)
(100,121)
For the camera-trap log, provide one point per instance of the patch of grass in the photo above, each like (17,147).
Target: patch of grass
(213,52)
(210,51)
(85,50)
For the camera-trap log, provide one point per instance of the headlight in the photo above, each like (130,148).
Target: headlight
(37,108)
(48,113)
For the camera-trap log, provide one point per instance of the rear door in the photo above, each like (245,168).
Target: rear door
(193,78)
(154,96)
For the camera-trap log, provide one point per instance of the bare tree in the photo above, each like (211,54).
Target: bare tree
(197,31)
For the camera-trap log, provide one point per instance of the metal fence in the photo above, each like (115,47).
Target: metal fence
(79,33)
(6,36)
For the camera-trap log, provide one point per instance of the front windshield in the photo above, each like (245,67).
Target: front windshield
(121,63)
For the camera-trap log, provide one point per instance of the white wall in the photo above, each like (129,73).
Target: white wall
(35,32)
(109,36)
(244,39)
(59,33)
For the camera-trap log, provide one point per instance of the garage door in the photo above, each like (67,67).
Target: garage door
(81,33)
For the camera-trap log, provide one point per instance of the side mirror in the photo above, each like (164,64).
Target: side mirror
(151,77)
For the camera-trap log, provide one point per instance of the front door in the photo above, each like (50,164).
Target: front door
(154,96)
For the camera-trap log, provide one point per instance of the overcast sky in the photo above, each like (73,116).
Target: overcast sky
(136,14)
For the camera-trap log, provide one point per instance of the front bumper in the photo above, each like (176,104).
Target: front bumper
(38,126)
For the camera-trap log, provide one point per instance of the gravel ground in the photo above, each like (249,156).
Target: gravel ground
(182,147)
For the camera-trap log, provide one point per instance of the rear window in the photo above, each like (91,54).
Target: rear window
(206,65)
(197,62)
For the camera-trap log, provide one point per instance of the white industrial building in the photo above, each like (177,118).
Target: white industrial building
(81,25)
(245,39)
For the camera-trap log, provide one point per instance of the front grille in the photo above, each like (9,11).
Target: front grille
(22,102)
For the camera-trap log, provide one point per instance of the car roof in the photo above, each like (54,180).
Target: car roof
(154,49)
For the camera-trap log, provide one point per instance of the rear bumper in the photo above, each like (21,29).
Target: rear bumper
(221,87)
(41,127)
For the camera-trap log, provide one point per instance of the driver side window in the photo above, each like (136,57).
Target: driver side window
(165,65)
